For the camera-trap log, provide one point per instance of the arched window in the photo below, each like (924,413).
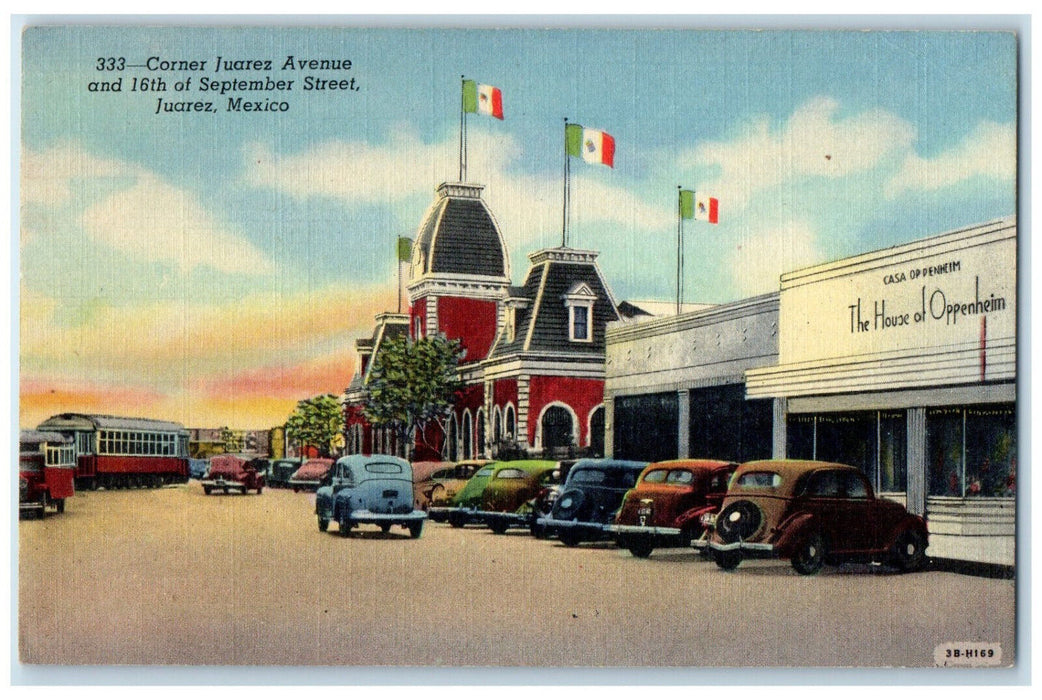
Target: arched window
(479,425)
(509,429)
(468,436)
(497,425)
(557,427)
(450,439)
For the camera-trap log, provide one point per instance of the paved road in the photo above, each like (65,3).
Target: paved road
(173,576)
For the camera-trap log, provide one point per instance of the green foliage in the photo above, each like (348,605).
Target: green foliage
(413,383)
(318,422)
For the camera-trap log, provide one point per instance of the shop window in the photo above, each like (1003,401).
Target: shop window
(727,426)
(646,427)
(873,441)
(972,452)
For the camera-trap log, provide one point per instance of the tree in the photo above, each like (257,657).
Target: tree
(413,383)
(318,422)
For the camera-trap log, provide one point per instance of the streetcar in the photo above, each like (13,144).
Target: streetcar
(114,452)
(46,471)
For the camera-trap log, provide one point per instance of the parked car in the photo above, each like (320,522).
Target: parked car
(589,500)
(197,468)
(542,503)
(461,509)
(310,475)
(368,489)
(422,481)
(813,513)
(233,473)
(438,490)
(282,470)
(506,499)
(670,503)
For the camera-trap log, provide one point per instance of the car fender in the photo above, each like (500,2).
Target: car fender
(909,522)
(793,530)
(324,501)
(692,515)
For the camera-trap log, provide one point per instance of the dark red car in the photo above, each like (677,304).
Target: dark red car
(813,513)
(311,475)
(233,473)
(671,504)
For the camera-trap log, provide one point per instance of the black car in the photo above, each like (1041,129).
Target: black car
(589,499)
(281,470)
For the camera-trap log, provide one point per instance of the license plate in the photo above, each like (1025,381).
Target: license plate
(644,514)
(390,494)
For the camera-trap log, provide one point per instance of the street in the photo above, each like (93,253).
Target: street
(170,576)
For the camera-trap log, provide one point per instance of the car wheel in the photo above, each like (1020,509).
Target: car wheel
(260,490)
(537,531)
(207,490)
(60,505)
(810,555)
(727,560)
(570,539)
(323,524)
(385,528)
(640,547)
(909,551)
(456,520)
(437,496)
(498,527)
(416,529)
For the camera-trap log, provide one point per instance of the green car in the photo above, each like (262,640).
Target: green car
(466,501)
(501,499)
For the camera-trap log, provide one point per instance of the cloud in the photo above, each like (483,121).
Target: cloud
(153,221)
(758,262)
(990,150)
(48,175)
(527,206)
(812,143)
(353,171)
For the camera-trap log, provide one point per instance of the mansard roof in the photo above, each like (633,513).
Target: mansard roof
(459,236)
(558,275)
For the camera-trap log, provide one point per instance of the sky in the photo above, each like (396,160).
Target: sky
(215,268)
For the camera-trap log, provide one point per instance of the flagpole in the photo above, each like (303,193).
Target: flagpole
(680,251)
(564,210)
(398,260)
(462,133)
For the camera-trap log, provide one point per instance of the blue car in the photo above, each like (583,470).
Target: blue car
(368,489)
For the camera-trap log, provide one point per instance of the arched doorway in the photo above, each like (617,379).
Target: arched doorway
(468,436)
(597,432)
(557,428)
(450,440)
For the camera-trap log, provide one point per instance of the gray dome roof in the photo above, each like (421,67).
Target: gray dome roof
(459,236)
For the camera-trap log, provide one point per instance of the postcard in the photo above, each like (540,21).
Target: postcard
(518,348)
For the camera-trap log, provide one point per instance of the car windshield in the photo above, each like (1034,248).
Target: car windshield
(589,476)
(680,476)
(758,480)
(487,471)
(655,477)
(383,468)
(511,474)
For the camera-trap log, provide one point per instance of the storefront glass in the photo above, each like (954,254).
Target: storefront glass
(873,441)
(724,425)
(646,427)
(972,451)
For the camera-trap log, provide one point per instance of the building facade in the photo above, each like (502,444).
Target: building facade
(901,362)
(533,365)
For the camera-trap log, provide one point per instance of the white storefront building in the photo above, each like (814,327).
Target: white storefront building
(901,362)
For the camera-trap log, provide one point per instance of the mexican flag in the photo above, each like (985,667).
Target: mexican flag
(482,99)
(597,147)
(707,208)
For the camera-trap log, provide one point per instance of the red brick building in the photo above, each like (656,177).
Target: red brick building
(534,354)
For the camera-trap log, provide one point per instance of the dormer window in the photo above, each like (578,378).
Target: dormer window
(510,324)
(579,323)
(579,301)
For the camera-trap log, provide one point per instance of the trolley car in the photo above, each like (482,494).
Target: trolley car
(115,452)
(46,469)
